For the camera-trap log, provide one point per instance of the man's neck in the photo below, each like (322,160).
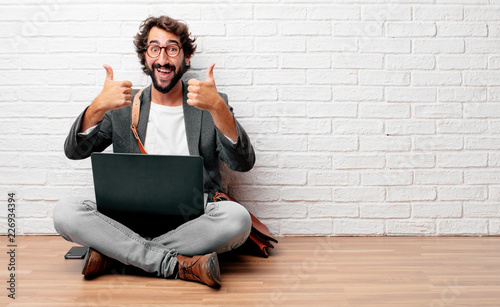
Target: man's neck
(170,99)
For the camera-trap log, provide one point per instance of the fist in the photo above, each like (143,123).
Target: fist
(203,94)
(115,94)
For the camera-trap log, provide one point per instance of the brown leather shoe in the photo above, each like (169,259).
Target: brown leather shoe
(204,269)
(96,264)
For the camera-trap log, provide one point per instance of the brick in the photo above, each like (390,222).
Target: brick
(23,176)
(494,62)
(482,143)
(306,194)
(357,93)
(328,178)
(380,77)
(461,126)
(277,143)
(252,61)
(407,29)
(248,93)
(438,143)
(437,210)
(405,227)
(436,78)
(48,93)
(384,110)
(358,29)
(300,61)
(493,159)
(409,127)
(411,193)
(331,44)
(38,226)
(462,226)
(386,12)
(322,210)
(251,28)
(288,109)
(23,77)
(435,46)
(359,161)
(274,12)
(255,194)
(331,109)
(461,94)
(384,143)
(441,110)
(254,126)
(359,194)
(359,227)
(306,93)
(459,62)
(71,78)
(481,210)
(306,227)
(305,161)
(336,143)
(357,61)
(309,126)
(385,45)
(333,12)
(461,160)
(455,193)
(483,176)
(385,211)
(410,94)
(475,45)
(386,178)
(494,226)
(236,45)
(453,29)
(208,28)
(306,28)
(493,94)
(410,160)
(279,210)
(438,13)
(483,78)
(358,126)
(270,45)
(331,77)
(405,62)
(481,13)
(71,45)
(438,177)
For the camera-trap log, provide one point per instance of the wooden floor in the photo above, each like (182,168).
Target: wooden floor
(303,271)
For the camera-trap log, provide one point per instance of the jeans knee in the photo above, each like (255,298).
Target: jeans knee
(240,220)
(65,218)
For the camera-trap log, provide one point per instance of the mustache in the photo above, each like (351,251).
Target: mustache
(167,66)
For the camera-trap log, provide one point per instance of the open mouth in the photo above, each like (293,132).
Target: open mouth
(164,72)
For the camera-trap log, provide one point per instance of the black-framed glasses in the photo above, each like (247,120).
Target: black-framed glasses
(172,50)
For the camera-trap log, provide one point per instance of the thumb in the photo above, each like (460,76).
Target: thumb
(109,72)
(210,72)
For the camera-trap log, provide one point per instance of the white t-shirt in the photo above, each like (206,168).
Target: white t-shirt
(166,133)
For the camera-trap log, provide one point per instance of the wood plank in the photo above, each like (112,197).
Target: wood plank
(325,271)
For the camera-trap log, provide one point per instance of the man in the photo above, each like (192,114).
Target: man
(176,118)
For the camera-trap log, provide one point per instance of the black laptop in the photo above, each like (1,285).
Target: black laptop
(151,194)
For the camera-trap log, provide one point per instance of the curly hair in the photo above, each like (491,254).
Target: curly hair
(168,24)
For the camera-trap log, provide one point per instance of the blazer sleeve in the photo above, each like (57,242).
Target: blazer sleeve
(239,156)
(79,146)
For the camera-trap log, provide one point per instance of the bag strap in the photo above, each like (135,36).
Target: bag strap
(136,108)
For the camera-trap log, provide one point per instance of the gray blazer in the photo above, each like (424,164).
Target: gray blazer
(203,138)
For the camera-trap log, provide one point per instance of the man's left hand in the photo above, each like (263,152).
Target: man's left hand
(203,94)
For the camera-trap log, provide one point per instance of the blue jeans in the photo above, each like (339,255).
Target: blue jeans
(224,226)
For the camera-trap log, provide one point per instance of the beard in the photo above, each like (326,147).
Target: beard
(177,76)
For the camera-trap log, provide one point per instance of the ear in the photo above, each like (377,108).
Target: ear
(187,59)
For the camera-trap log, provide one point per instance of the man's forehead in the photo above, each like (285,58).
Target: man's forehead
(157,35)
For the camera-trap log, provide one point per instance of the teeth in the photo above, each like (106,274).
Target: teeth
(164,70)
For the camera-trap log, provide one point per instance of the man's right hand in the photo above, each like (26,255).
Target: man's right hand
(114,95)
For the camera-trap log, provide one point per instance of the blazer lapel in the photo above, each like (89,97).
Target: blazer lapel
(144,114)
(192,120)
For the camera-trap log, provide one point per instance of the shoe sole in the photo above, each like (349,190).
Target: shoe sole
(214,270)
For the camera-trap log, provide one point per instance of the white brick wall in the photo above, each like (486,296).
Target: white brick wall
(368,117)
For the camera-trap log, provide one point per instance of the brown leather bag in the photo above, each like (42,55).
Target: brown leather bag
(259,235)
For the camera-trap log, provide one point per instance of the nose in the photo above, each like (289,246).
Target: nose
(162,57)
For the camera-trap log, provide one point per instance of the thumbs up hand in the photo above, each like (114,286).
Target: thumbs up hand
(114,94)
(203,94)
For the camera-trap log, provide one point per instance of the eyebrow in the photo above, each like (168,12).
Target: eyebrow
(168,42)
